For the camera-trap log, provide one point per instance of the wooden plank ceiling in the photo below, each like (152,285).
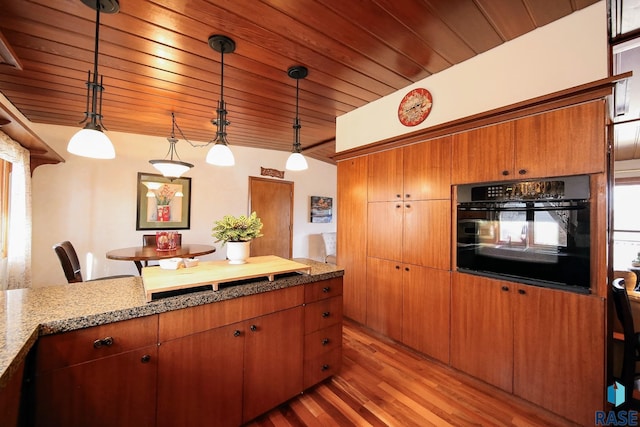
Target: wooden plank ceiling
(156,60)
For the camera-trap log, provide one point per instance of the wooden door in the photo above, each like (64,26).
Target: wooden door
(384,297)
(559,350)
(273,202)
(567,141)
(385,176)
(426,233)
(352,235)
(112,391)
(200,378)
(425,310)
(482,328)
(384,230)
(484,154)
(427,170)
(273,360)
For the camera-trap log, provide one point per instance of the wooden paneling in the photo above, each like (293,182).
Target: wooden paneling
(384,297)
(384,225)
(427,233)
(385,176)
(427,170)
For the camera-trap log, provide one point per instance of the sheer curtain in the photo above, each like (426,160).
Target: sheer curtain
(16,269)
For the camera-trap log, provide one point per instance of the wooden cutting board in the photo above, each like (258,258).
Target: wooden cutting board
(156,279)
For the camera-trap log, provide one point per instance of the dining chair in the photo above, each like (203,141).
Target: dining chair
(71,265)
(631,346)
(329,247)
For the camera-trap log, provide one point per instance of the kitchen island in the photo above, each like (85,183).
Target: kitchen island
(30,314)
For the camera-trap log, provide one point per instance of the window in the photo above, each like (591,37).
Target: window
(626,222)
(5,177)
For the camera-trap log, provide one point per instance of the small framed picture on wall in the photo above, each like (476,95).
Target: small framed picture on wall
(321,209)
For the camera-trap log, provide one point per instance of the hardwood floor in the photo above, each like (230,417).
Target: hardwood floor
(385,384)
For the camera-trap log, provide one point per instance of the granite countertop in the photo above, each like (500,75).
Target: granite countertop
(27,314)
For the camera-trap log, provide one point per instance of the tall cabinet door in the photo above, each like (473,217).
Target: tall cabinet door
(559,351)
(385,176)
(425,310)
(352,235)
(482,329)
(427,233)
(384,297)
(384,225)
(427,170)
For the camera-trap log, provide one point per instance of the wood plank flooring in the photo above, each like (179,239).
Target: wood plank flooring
(385,384)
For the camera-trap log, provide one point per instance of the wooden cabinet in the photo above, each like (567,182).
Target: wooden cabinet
(323,331)
(11,395)
(352,235)
(565,141)
(544,345)
(425,310)
(384,297)
(100,376)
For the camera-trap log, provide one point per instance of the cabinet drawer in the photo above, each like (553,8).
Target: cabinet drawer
(70,348)
(321,367)
(323,290)
(322,341)
(321,314)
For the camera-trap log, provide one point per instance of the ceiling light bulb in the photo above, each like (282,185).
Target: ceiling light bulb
(220,155)
(296,162)
(91,143)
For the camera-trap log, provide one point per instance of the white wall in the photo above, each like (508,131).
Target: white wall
(563,54)
(92,203)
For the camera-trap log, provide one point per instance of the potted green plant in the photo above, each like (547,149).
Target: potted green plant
(237,233)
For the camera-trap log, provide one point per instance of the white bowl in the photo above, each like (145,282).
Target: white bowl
(170,263)
(190,262)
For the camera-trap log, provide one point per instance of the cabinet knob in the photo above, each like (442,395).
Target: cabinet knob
(406,269)
(253,328)
(326,314)
(324,367)
(407,196)
(236,333)
(325,341)
(397,267)
(326,289)
(399,196)
(398,206)
(104,342)
(522,292)
(505,288)
(522,171)
(505,173)
(407,205)
(145,359)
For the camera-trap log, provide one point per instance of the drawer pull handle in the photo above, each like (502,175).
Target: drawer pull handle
(325,368)
(326,314)
(505,173)
(522,171)
(522,292)
(236,333)
(326,289)
(253,328)
(104,342)
(505,288)
(145,359)
(325,341)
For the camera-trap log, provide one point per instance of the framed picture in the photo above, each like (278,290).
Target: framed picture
(163,204)
(321,209)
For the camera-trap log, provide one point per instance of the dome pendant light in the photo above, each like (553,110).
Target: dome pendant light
(91,141)
(220,154)
(296,161)
(170,168)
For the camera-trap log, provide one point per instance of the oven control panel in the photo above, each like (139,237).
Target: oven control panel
(564,188)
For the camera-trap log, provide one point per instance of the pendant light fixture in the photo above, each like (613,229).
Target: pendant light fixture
(220,154)
(171,168)
(91,141)
(296,161)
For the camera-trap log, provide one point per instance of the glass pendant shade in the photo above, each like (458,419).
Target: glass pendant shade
(171,168)
(296,162)
(220,155)
(91,143)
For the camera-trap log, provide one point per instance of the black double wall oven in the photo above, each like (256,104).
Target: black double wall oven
(535,232)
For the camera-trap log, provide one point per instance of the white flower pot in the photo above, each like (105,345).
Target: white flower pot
(238,252)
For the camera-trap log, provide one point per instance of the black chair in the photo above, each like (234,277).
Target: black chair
(71,265)
(631,347)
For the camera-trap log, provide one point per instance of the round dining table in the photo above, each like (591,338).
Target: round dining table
(137,254)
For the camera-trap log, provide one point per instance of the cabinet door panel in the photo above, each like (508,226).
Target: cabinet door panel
(384,297)
(559,351)
(425,312)
(273,361)
(384,235)
(482,329)
(385,176)
(484,154)
(427,170)
(112,391)
(200,378)
(352,235)
(427,233)
(567,141)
